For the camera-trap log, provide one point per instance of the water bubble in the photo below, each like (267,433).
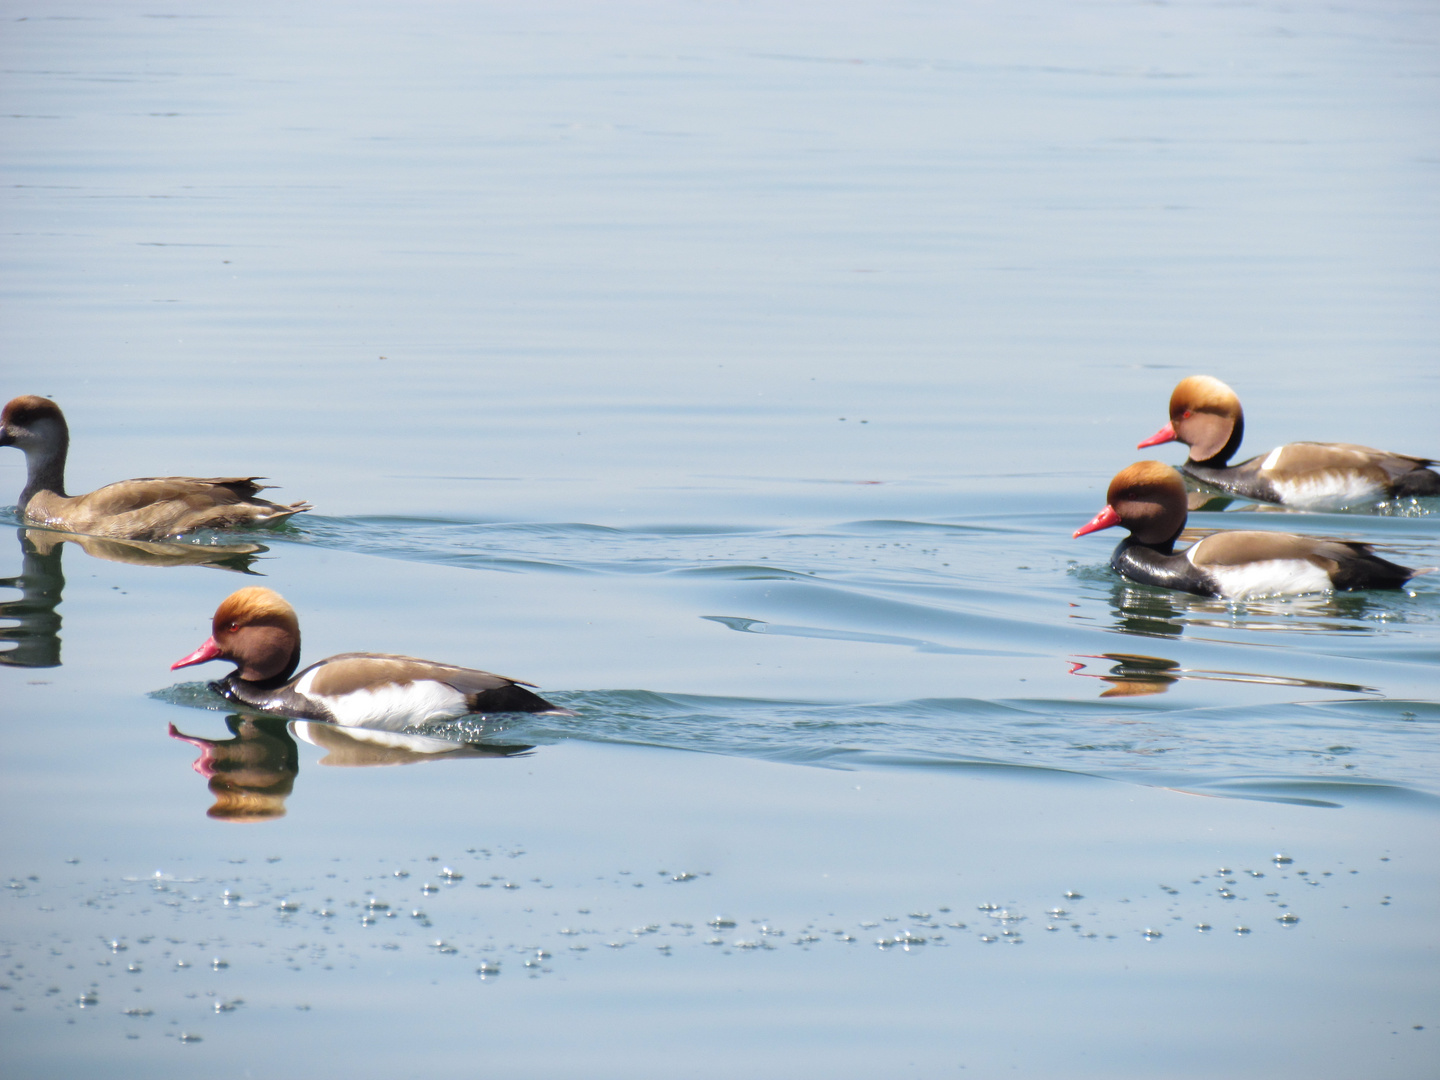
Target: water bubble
(377,905)
(993,907)
(444,947)
(1057,913)
(1281,860)
(189,1037)
(1074,896)
(288,905)
(1202,926)
(488,969)
(118,946)
(1242,929)
(218,964)
(227,897)
(450,875)
(182,963)
(139,1012)
(988,938)
(919,915)
(401,873)
(429,887)
(1153,934)
(722,922)
(1289,919)
(89,997)
(134,968)
(228,1006)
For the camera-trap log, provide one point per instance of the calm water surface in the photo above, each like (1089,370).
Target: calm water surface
(738,375)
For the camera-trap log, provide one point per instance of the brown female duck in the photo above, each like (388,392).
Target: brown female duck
(151,508)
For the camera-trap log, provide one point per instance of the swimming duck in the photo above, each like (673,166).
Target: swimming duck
(151,508)
(1205,415)
(257,631)
(1149,500)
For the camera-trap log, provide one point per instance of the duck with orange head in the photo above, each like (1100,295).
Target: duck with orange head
(257,631)
(1205,415)
(1149,500)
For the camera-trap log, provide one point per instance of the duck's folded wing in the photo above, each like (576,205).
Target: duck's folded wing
(483,691)
(191,491)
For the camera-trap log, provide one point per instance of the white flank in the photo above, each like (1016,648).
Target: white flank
(1271,577)
(391,706)
(1332,489)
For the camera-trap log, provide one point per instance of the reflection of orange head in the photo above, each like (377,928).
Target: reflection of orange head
(250,775)
(1133,675)
(248,804)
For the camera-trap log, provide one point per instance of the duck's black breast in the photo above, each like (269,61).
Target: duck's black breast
(1243,479)
(1147,566)
(274,696)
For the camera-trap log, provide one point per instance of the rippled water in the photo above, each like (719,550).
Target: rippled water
(738,375)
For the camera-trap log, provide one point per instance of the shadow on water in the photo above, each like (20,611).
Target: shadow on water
(252,774)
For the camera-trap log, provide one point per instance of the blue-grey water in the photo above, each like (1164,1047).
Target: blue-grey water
(736,373)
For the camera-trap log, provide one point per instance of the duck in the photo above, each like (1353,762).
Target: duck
(258,631)
(150,508)
(1149,499)
(1205,415)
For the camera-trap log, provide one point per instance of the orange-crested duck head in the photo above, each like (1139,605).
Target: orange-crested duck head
(1147,498)
(1206,416)
(255,629)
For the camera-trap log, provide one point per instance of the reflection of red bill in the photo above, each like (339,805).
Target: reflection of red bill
(1165,434)
(205,763)
(1103,520)
(208,651)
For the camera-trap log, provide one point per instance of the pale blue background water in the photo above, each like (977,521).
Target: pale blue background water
(738,374)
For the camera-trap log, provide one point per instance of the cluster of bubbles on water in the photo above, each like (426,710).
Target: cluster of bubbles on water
(206,933)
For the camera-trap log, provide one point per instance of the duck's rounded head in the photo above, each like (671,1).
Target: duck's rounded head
(31,421)
(1206,416)
(256,629)
(1147,498)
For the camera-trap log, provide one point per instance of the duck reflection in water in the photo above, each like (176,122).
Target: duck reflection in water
(252,774)
(237,557)
(1155,612)
(1135,675)
(36,633)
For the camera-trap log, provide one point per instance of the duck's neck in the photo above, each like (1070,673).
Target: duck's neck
(45,467)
